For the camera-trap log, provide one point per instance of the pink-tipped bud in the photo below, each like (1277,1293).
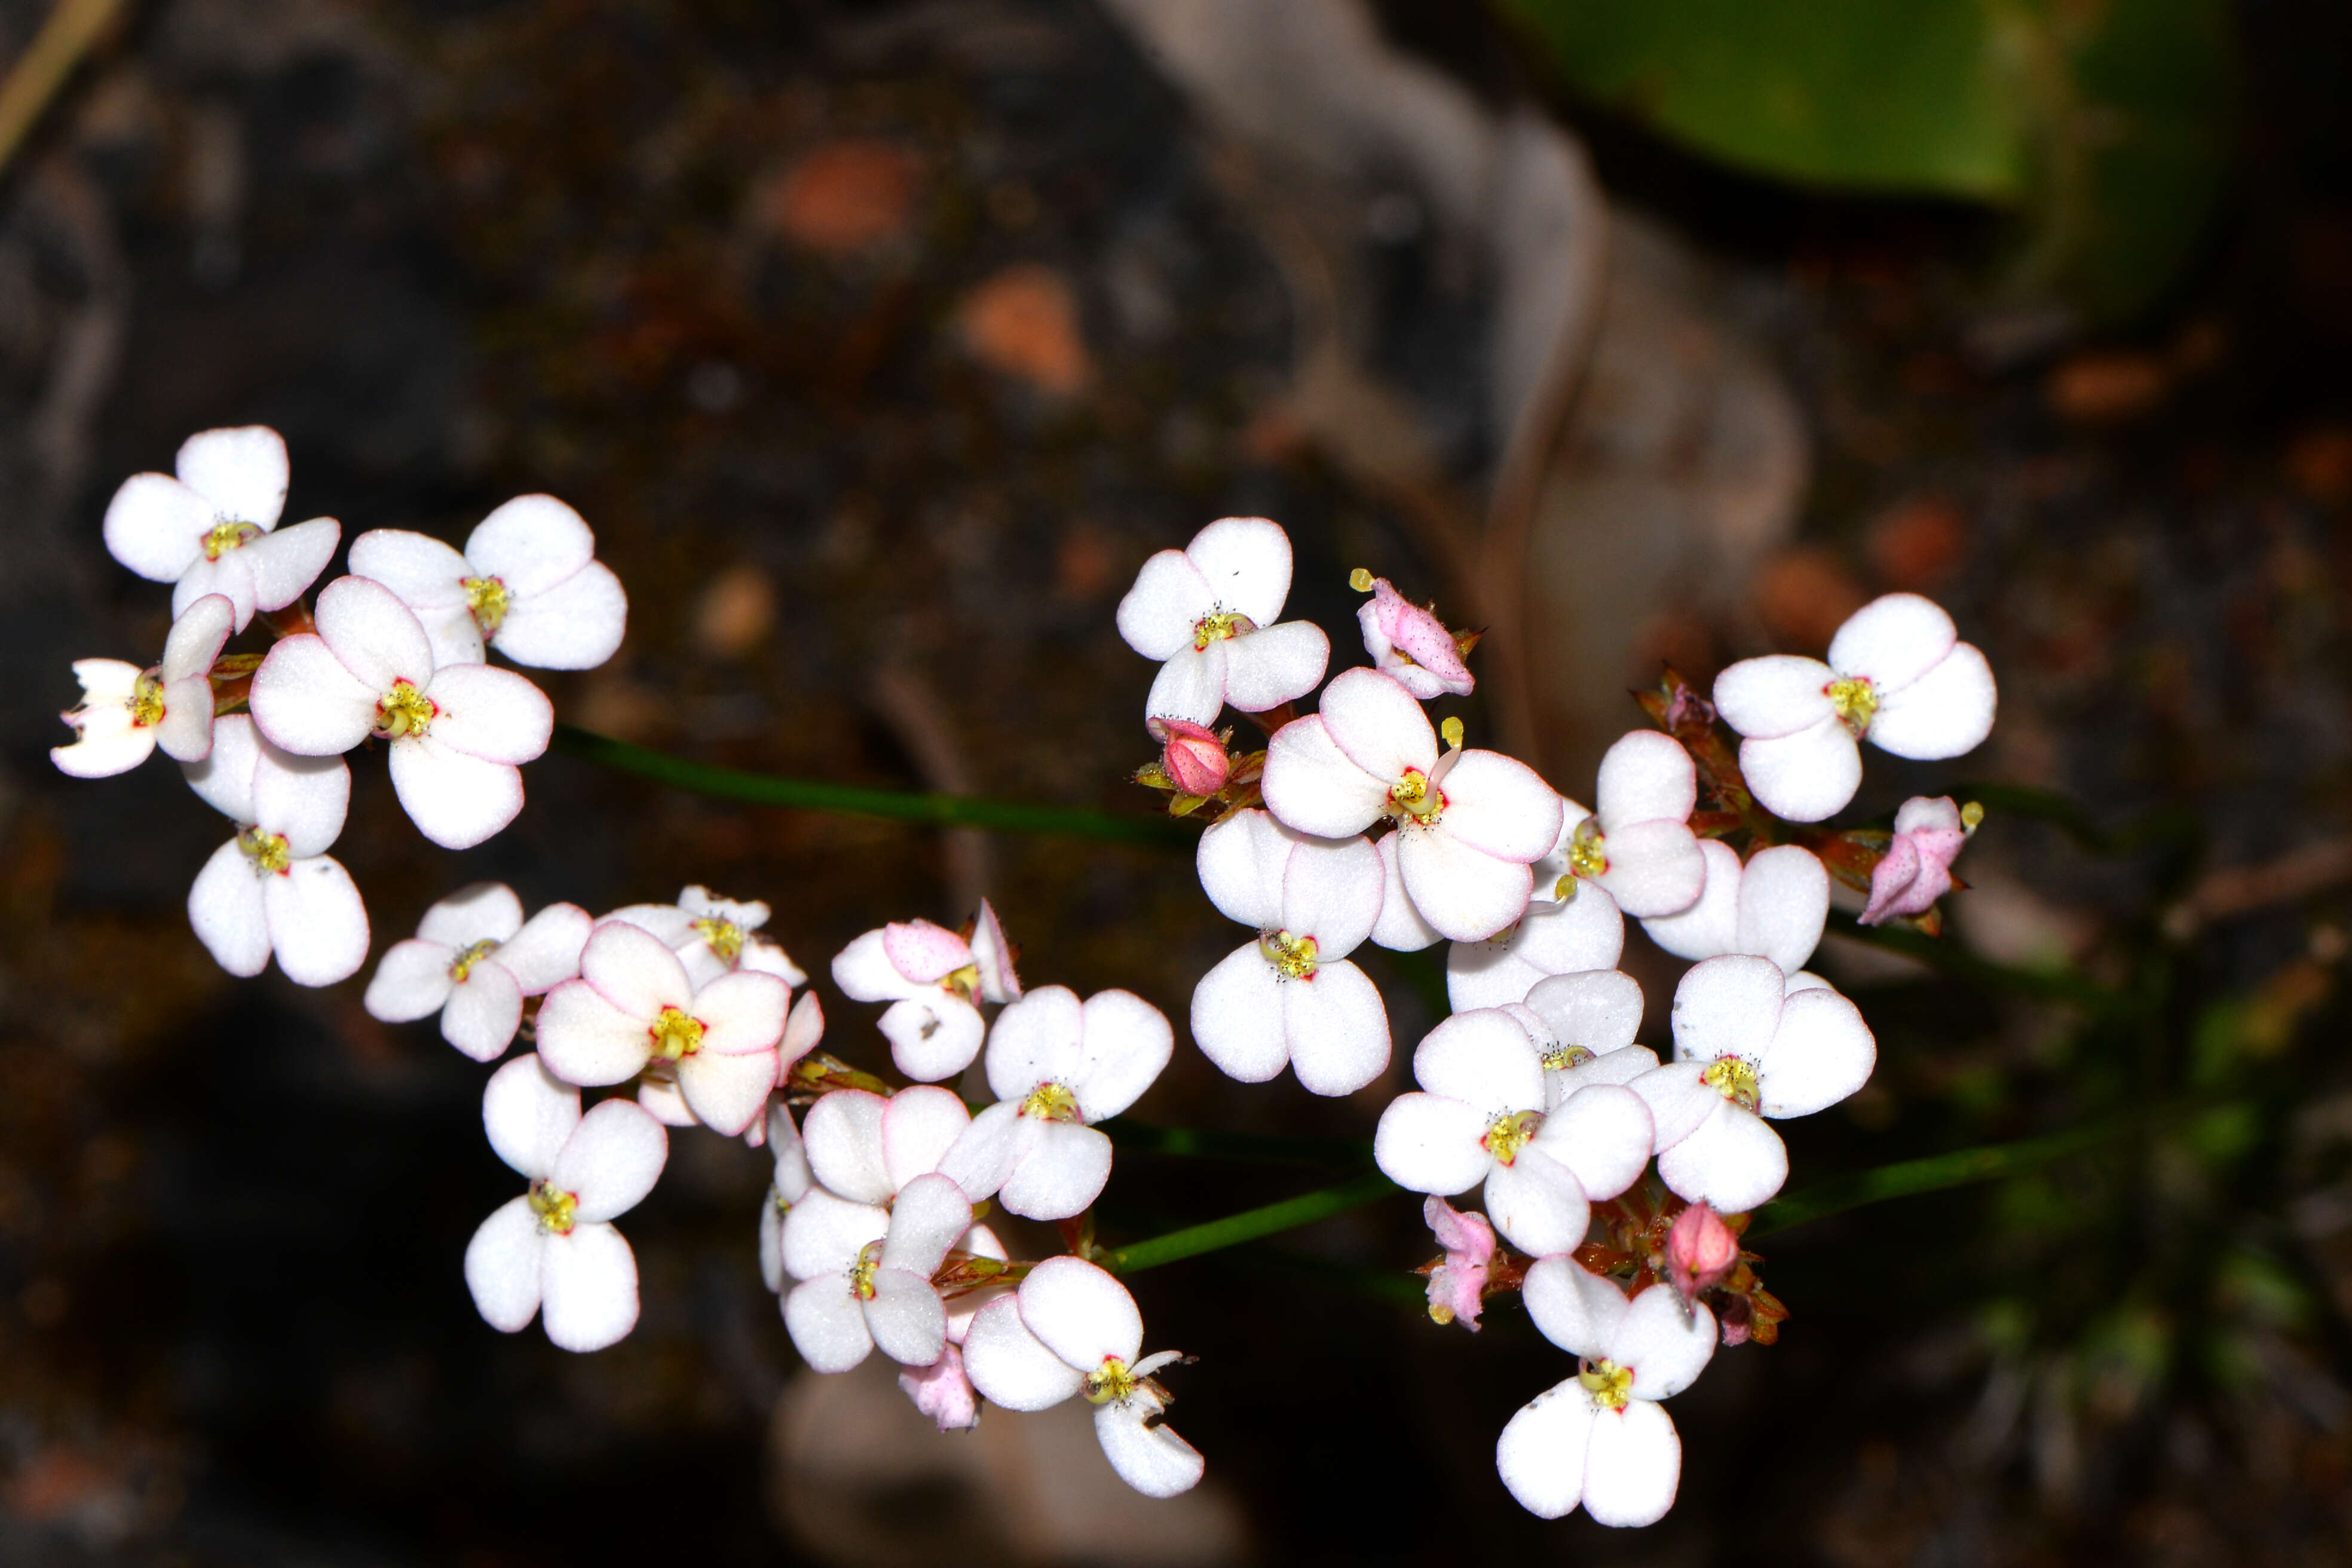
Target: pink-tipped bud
(1700,1251)
(1458,1286)
(942,1391)
(1917,868)
(1193,755)
(1410,645)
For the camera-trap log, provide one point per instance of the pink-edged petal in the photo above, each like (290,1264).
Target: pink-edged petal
(411,982)
(918,1126)
(984,1155)
(318,924)
(243,472)
(1038,1039)
(230,577)
(1483,1060)
(727,1093)
(1822,1053)
(156,526)
(1945,712)
(923,952)
(1399,927)
(1620,1066)
(933,1035)
(223,780)
(803,1029)
(425,573)
(843,1136)
(827,1323)
(502,1267)
(1710,926)
(1331,890)
(1679,1101)
(1654,868)
(490,713)
(1339,1029)
(1500,805)
(483,1013)
(1191,686)
(1734,1161)
(1804,776)
(1727,1006)
(863,971)
(1462,892)
(994,955)
(1601,1135)
(929,1217)
(1245,562)
(635,970)
(305,703)
(1011,1366)
(1062,1172)
(1377,725)
(196,637)
(1574,1308)
(590,1281)
(546,950)
(1541,1454)
(1784,898)
(1141,1449)
(1312,786)
(1169,596)
(611,1160)
(587,1040)
(1237,1016)
(455,800)
(1127,1043)
(1599,1010)
(741,1012)
(825,1233)
(225,909)
(305,799)
(530,543)
(1579,934)
(1779,694)
(1242,862)
(479,911)
(1644,777)
(1429,1143)
(1080,1313)
(284,565)
(905,1317)
(186,730)
(109,742)
(577,623)
(1537,1203)
(665,1101)
(1632,1467)
(528,1115)
(1275,665)
(1893,640)
(375,636)
(1666,1343)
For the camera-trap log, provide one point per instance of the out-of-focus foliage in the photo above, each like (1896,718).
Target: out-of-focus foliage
(2106,127)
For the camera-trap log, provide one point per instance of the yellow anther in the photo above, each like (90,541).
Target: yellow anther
(1559,1059)
(861,1273)
(1293,957)
(1451,731)
(1971,816)
(1611,1385)
(404,711)
(1588,850)
(464,964)
(1361,580)
(554,1206)
(226,535)
(783,1205)
(1051,1102)
(488,599)
(1219,624)
(1111,1382)
(1506,1135)
(964,982)
(267,850)
(1734,1078)
(1855,701)
(723,936)
(1414,797)
(146,702)
(676,1034)
(1565,889)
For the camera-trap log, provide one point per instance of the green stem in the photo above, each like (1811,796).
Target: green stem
(855,800)
(1249,1225)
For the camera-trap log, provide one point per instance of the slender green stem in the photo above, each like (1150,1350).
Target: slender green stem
(1953,958)
(1267,1147)
(1249,1225)
(856,800)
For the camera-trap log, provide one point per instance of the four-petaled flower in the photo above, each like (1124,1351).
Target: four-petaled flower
(1637,844)
(1773,906)
(712,935)
(214,530)
(127,713)
(934,981)
(1917,868)
(527,585)
(1578,1020)
(1209,611)
(1897,676)
(273,887)
(473,960)
(865,1274)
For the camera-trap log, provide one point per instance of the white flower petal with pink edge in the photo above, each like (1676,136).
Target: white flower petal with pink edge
(474,960)
(1208,612)
(526,584)
(1411,645)
(1637,843)
(865,1274)
(272,888)
(209,531)
(127,713)
(1773,906)
(1571,926)
(934,979)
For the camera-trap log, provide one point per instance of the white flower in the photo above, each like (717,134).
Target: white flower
(1482,1118)
(555,1245)
(790,1184)
(1577,1020)
(455,733)
(712,935)
(865,1274)
(1467,825)
(1747,1046)
(528,584)
(1290,995)
(126,712)
(1209,610)
(934,981)
(1897,676)
(1056,1067)
(1571,926)
(1598,1437)
(1638,845)
(1773,906)
(633,1008)
(473,960)
(1072,1328)
(867,1148)
(273,887)
(209,531)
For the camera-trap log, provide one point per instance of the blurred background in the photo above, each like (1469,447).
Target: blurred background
(880,343)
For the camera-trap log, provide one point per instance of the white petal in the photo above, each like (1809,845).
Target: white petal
(611,1160)
(1945,712)
(1311,786)
(1679,1103)
(1275,665)
(1430,1144)
(231,577)
(1245,561)
(1822,1053)
(587,1040)
(1541,1453)
(1634,1466)
(479,911)
(727,1093)
(864,971)
(1538,1206)
(223,780)
(1191,686)
(1784,898)
(1484,1060)
(825,1233)
(980,1160)
(1242,862)
(1734,1161)
(1804,776)
(994,955)
(483,1013)
(665,1101)
(1148,1456)
(1644,777)
(425,573)
(186,730)
(917,1128)
(1600,1010)
(843,1136)
(929,1217)
(502,1267)
(577,623)
(905,1317)
(1010,1366)
(546,950)
(455,800)
(1893,640)
(1168,600)
(1501,805)
(1574,1308)
(1062,1173)
(1038,1039)
(1727,1006)
(1778,695)
(1377,725)
(375,636)
(307,702)
(1710,927)
(318,926)
(1127,1044)
(1654,868)
(827,1322)
(1237,1016)
(1601,1134)
(1666,1344)
(1463,892)
(241,472)
(1080,1313)
(1399,927)
(933,1035)
(1620,1066)
(528,1114)
(530,543)
(284,565)
(1338,1029)
(1331,890)
(225,909)
(591,1282)
(196,637)
(1583,933)
(490,713)
(156,526)
(411,982)
(741,1012)
(304,799)
(109,744)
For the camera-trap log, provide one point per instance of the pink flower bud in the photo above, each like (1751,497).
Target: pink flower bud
(1193,755)
(1700,1250)
(1410,645)
(942,1391)
(1458,1287)
(1917,868)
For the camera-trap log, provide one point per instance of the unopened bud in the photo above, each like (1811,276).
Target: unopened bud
(1194,757)
(1700,1250)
